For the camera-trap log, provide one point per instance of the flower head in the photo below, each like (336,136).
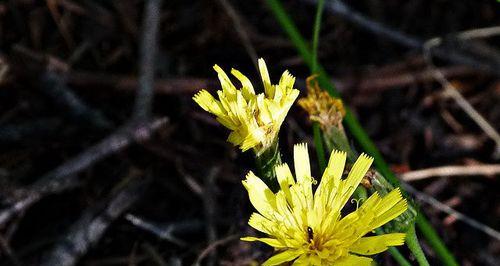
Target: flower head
(307,227)
(322,107)
(254,119)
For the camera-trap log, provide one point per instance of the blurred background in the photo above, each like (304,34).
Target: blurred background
(89,175)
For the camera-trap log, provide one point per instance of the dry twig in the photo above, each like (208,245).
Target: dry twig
(92,224)
(451,91)
(148,50)
(65,176)
(340,9)
(470,170)
(458,215)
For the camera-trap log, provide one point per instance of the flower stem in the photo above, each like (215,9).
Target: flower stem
(414,246)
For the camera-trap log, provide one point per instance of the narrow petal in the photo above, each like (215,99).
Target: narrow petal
(285,179)
(262,224)
(377,244)
(331,177)
(393,206)
(261,197)
(206,101)
(269,241)
(301,163)
(282,257)
(352,181)
(247,87)
(227,86)
(268,88)
(353,260)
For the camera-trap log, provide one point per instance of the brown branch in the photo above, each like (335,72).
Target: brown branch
(458,170)
(65,176)
(89,80)
(375,83)
(92,224)
(340,9)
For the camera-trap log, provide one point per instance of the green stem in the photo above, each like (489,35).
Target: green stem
(316,30)
(414,246)
(355,127)
(398,257)
(434,241)
(320,150)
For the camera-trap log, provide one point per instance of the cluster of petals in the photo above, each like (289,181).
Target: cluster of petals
(306,226)
(254,119)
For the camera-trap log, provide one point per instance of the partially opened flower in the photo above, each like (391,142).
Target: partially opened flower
(306,227)
(254,119)
(322,107)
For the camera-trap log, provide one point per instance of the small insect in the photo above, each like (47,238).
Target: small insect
(310,234)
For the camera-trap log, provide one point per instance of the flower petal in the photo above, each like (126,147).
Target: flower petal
(353,260)
(261,197)
(352,181)
(282,257)
(247,87)
(376,244)
(390,207)
(262,224)
(269,241)
(268,88)
(301,163)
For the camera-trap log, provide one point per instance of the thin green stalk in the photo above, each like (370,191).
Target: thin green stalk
(355,127)
(416,249)
(398,257)
(320,150)
(318,140)
(434,241)
(316,30)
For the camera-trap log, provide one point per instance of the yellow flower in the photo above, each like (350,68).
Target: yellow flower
(254,119)
(308,228)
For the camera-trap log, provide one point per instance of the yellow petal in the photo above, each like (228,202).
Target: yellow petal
(206,101)
(352,181)
(247,87)
(261,197)
(301,163)
(270,241)
(262,224)
(282,257)
(285,179)
(376,244)
(227,86)
(390,207)
(353,260)
(268,88)
(331,178)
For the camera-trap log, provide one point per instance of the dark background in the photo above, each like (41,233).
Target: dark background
(169,194)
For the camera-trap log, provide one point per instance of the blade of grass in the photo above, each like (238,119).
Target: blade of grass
(318,140)
(355,127)
(315,39)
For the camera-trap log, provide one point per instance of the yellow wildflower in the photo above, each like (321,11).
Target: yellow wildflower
(322,107)
(308,228)
(254,119)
